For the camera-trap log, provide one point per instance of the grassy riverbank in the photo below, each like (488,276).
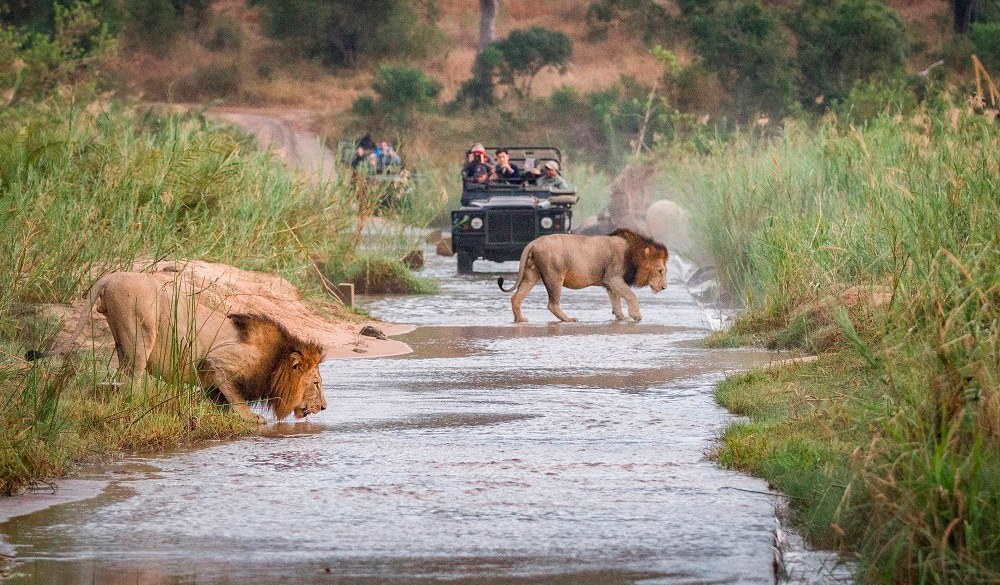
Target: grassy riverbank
(876,245)
(88,187)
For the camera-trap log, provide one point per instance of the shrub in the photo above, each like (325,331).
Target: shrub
(646,16)
(986,40)
(227,36)
(524,53)
(869,100)
(215,80)
(854,40)
(402,91)
(34,65)
(340,32)
(382,275)
(744,43)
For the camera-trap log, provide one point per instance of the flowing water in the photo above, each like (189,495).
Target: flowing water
(493,453)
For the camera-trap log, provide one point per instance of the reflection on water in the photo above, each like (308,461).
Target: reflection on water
(494,453)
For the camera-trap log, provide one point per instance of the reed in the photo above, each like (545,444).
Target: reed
(92,186)
(878,246)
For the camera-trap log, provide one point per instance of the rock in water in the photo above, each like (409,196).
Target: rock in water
(444,248)
(369,331)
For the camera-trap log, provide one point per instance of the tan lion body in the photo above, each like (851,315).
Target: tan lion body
(160,328)
(615,262)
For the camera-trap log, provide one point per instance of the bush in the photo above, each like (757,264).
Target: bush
(986,40)
(646,16)
(227,36)
(403,90)
(852,41)
(524,53)
(34,65)
(215,80)
(340,32)
(869,100)
(744,43)
(382,275)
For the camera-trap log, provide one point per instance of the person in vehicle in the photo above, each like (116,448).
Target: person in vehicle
(477,157)
(388,160)
(549,177)
(481,174)
(359,157)
(506,171)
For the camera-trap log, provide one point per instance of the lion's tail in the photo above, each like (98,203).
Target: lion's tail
(525,258)
(85,313)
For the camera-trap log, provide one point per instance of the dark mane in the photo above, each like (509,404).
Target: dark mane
(636,252)
(272,379)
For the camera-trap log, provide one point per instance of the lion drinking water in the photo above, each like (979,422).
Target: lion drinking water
(616,262)
(160,328)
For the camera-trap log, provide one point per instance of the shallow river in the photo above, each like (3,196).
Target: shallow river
(543,452)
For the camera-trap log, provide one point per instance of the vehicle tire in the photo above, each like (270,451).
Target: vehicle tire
(465,260)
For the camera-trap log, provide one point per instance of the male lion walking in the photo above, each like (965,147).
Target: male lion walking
(617,262)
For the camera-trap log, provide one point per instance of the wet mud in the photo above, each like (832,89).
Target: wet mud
(494,453)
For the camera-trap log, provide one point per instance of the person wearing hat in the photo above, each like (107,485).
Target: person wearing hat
(549,176)
(477,157)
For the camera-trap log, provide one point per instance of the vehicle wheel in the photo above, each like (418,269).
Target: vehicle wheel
(465,260)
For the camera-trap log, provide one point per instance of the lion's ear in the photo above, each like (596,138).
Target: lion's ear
(296,359)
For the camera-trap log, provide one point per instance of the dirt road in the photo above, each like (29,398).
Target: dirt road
(286,132)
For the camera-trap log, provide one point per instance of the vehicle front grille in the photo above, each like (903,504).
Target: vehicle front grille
(511,226)
(499,229)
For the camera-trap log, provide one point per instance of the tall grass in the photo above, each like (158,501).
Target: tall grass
(90,187)
(888,235)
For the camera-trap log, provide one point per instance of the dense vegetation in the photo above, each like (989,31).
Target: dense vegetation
(877,246)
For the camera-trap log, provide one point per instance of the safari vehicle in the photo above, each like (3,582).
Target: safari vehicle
(497,219)
(393,186)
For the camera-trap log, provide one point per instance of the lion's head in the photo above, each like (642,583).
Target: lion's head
(289,366)
(645,261)
(313,400)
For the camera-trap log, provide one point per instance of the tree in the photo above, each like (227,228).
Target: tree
(848,42)
(647,16)
(746,46)
(402,91)
(482,81)
(526,52)
(341,31)
(966,12)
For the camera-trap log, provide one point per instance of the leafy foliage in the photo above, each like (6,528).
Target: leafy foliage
(647,16)
(745,44)
(525,52)
(986,40)
(402,90)
(34,65)
(340,32)
(845,42)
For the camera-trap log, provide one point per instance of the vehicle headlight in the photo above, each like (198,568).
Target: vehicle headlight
(476,223)
(546,223)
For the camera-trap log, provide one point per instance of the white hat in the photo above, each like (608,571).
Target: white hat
(551,164)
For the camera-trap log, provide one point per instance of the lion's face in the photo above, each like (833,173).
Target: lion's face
(652,270)
(313,400)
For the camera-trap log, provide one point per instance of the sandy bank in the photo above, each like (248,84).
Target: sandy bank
(233,290)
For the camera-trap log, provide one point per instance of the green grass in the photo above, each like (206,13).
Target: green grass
(90,186)
(879,246)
